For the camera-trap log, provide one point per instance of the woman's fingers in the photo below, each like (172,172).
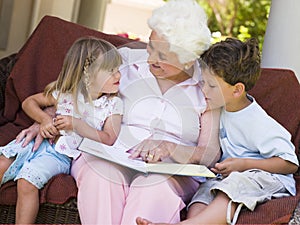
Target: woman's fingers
(149,151)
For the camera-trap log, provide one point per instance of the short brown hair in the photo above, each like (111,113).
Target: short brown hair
(234,61)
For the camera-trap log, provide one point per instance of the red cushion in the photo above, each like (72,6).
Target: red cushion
(39,63)
(58,190)
(278,92)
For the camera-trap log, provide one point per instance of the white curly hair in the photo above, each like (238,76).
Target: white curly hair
(183,23)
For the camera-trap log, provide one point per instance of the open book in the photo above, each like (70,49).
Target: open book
(121,156)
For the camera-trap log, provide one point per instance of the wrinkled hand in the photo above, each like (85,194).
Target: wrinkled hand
(29,134)
(151,150)
(62,122)
(228,165)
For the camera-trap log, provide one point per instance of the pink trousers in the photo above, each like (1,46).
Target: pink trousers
(112,194)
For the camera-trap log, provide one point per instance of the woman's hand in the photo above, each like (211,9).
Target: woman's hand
(32,132)
(29,134)
(229,165)
(152,150)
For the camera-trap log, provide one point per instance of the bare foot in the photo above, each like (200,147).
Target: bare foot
(142,221)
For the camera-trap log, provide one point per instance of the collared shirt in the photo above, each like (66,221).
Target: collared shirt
(173,115)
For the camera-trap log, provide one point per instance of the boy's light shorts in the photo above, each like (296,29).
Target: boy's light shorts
(249,187)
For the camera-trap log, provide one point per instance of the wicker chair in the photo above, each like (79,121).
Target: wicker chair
(25,73)
(39,62)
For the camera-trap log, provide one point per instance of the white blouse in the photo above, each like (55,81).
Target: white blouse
(174,115)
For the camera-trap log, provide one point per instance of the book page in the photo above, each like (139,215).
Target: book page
(112,153)
(119,155)
(180,169)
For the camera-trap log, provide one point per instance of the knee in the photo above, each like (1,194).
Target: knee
(25,187)
(152,182)
(195,209)
(4,164)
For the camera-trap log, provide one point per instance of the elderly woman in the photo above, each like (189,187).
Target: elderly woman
(164,103)
(165,113)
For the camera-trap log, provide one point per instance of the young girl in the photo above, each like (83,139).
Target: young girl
(86,106)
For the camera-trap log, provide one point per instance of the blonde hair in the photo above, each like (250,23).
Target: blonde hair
(183,23)
(85,58)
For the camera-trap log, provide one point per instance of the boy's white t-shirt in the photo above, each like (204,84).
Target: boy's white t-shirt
(252,133)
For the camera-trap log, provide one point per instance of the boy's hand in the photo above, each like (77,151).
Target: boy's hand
(228,165)
(63,122)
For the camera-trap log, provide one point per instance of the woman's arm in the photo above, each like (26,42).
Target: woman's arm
(208,150)
(206,153)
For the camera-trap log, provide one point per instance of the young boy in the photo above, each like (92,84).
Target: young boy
(258,157)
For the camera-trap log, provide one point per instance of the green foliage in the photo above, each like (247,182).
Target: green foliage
(237,18)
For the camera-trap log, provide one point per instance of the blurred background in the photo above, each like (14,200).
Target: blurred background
(126,17)
(273,22)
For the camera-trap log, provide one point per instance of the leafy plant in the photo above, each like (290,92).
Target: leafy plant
(237,18)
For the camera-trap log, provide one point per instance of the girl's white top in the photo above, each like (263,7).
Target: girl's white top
(94,114)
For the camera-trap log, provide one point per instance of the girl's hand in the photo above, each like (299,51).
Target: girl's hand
(47,129)
(228,165)
(63,122)
(151,150)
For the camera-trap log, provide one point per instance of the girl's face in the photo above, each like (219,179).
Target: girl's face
(162,62)
(217,92)
(105,82)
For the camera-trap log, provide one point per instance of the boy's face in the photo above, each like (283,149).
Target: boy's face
(217,92)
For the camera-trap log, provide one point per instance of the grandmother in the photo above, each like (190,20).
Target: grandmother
(165,119)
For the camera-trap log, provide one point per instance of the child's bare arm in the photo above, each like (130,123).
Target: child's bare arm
(33,106)
(111,129)
(272,165)
(107,136)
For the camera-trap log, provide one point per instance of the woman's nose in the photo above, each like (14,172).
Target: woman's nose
(153,58)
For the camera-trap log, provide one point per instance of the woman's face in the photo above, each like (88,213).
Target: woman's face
(162,62)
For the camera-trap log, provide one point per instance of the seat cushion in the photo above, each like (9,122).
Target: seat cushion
(39,63)
(58,190)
